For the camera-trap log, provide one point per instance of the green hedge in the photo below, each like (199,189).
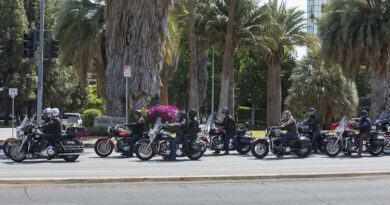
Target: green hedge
(245,114)
(97,131)
(89,116)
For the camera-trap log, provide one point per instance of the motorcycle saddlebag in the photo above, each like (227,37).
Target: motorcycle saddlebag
(77,132)
(245,139)
(304,143)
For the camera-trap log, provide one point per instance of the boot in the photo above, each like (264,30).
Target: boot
(226,153)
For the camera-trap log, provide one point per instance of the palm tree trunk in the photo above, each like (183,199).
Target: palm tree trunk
(377,93)
(274,93)
(227,55)
(164,94)
(231,89)
(193,70)
(253,114)
(135,35)
(203,75)
(388,92)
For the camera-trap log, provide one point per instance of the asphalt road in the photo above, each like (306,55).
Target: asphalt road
(92,166)
(374,190)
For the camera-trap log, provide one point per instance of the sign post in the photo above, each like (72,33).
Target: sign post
(127,74)
(13,92)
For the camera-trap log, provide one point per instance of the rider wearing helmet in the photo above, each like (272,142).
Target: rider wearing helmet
(137,131)
(193,127)
(181,126)
(47,113)
(52,128)
(364,129)
(314,126)
(288,123)
(229,125)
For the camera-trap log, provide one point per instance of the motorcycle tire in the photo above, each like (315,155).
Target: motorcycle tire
(386,149)
(14,153)
(6,149)
(303,154)
(195,156)
(99,152)
(255,148)
(71,158)
(243,149)
(333,153)
(375,150)
(143,153)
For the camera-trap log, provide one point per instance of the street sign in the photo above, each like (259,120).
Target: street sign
(126,71)
(13,92)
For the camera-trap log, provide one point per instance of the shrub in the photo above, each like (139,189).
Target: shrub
(89,116)
(165,112)
(245,114)
(144,115)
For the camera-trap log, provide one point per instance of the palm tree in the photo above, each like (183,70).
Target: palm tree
(283,30)
(193,102)
(247,20)
(136,33)
(355,33)
(315,84)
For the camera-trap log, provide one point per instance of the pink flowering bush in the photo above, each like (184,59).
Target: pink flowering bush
(165,112)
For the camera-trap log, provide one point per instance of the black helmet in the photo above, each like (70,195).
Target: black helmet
(225,110)
(138,113)
(363,113)
(312,111)
(192,113)
(181,115)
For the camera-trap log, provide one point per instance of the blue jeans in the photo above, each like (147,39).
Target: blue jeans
(227,140)
(134,138)
(176,141)
(314,139)
(289,136)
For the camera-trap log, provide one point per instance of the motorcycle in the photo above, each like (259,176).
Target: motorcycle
(304,130)
(65,146)
(260,148)
(105,145)
(241,141)
(348,141)
(19,135)
(382,126)
(158,142)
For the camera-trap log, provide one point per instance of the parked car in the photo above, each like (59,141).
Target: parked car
(72,118)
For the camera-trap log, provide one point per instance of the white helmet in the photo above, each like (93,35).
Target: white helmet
(47,111)
(55,112)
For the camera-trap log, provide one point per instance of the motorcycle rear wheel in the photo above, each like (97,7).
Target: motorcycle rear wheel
(103,148)
(71,158)
(15,154)
(303,152)
(143,152)
(6,149)
(260,149)
(332,148)
(375,150)
(243,149)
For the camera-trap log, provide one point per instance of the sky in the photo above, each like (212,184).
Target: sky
(302,5)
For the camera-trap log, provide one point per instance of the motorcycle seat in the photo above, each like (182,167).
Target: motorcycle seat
(166,137)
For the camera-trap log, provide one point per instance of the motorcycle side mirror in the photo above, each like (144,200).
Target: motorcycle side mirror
(63,126)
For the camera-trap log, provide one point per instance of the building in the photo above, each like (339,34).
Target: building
(314,12)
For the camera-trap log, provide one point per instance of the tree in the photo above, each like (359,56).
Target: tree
(322,86)
(193,69)
(283,30)
(355,33)
(135,33)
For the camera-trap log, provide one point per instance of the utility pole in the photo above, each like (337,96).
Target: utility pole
(212,86)
(40,63)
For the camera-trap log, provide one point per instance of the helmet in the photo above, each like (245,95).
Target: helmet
(192,113)
(47,111)
(138,113)
(286,115)
(363,113)
(312,111)
(55,112)
(225,110)
(181,115)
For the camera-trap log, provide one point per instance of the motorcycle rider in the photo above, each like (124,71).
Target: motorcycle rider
(288,123)
(229,125)
(46,114)
(193,127)
(181,126)
(314,126)
(51,129)
(137,131)
(364,127)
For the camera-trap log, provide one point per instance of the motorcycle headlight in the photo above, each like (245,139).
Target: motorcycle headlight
(18,134)
(109,130)
(374,127)
(388,129)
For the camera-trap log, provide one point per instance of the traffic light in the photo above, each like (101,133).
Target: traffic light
(54,48)
(29,44)
(28,82)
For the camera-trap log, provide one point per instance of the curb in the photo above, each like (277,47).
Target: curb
(183,178)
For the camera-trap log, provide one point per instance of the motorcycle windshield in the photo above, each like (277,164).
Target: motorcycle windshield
(207,126)
(384,116)
(343,124)
(156,126)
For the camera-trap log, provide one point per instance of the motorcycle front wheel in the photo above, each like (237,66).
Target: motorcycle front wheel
(332,148)
(71,158)
(260,148)
(16,152)
(144,152)
(103,148)
(6,149)
(386,148)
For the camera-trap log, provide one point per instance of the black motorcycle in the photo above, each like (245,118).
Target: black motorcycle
(304,130)
(382,127)
(65,146)
(272,140)
(347,141)
(158,142)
